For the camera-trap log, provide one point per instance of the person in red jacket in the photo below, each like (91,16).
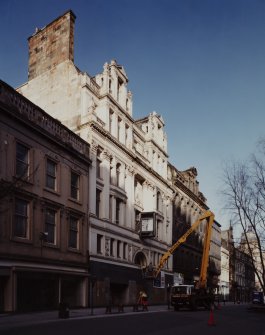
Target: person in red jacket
(142,301)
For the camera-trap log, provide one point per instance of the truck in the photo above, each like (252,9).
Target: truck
(198,295)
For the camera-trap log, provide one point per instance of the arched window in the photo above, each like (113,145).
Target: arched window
(140,259)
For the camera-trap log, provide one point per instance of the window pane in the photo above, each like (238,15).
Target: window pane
(99,244)
(74,185)
(22,157)
(98,193)
(21,218)
(118,203)
(51,168)
(50,224)
(98,168)
(51,175)
(73,233)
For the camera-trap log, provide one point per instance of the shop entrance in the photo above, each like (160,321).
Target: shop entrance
(35,292)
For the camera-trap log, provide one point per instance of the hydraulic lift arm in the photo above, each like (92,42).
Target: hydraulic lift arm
(206,247)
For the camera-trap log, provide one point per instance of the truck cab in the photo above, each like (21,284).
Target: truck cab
(188,296)
(180,295)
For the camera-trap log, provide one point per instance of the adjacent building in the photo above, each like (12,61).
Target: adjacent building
(250,245)
(188,206)
(241,270)
(224,277)
(44,183)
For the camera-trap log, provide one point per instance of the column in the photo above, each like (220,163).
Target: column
(129,189)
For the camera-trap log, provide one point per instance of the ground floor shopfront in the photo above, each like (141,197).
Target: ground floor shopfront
(120,285)
(34,287)
(27,288)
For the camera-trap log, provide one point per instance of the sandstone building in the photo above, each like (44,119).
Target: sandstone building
(44,182)
(133,189)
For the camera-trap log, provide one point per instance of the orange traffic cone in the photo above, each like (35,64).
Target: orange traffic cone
(211,318)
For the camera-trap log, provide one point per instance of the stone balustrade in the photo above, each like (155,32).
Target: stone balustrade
(20,106)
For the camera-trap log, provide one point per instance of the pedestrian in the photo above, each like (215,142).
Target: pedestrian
(142,301)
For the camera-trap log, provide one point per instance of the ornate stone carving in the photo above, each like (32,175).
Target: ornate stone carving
(130,171)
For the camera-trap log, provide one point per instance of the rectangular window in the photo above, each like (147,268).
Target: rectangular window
(124,250)
(159,202)
(98,196)
(118,205)
(99,244)
(21,220)
(98,167)
(110,207)
(119,129)
(75,181)
(126,134)
(50,225)
(110,121)
(51,169)
(73,232)
(112,247)
(118,249)
(98,163)
(22,160)
(118,174)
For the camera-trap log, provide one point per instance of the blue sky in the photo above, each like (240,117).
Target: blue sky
(198,63)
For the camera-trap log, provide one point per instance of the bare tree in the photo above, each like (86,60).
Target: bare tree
(8,188)
(245,199)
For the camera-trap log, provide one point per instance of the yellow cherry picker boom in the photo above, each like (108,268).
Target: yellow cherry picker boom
(189,295)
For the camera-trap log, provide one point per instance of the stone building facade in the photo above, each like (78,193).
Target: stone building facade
(224,277)
(133,187)
(241,270)
(250,245)
(128,176)
(44,182)
(188,206)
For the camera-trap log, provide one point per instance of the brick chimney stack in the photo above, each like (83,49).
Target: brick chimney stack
(51,45)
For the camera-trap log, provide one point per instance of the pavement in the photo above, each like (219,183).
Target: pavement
(10,320)
(23,319)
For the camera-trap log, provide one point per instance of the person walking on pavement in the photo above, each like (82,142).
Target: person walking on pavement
(142,301)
